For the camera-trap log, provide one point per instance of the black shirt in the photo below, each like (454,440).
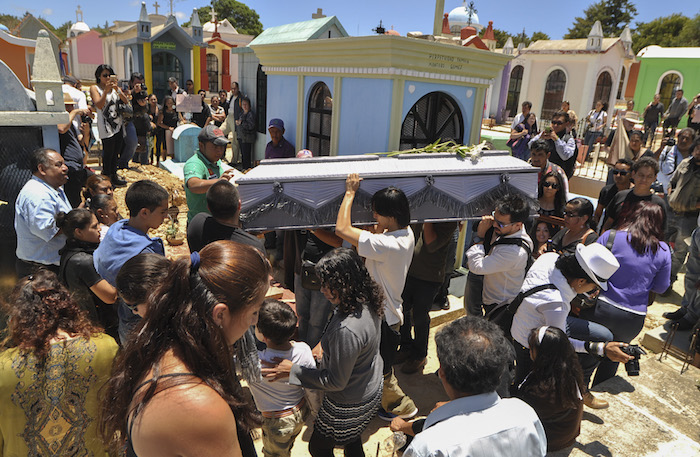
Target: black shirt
(201,117)
(625,202)
(652,113)
(78,273)
(204,229)
(70,148)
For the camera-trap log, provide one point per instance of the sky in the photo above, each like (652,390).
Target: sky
(358,17)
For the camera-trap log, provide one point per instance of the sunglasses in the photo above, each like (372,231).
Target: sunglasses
(553,185)
(557,122)
(570,214)
(499,223)
(620,172)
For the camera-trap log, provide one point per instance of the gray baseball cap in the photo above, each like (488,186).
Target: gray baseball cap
(213,134)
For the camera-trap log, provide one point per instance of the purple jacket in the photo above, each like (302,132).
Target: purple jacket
(638,274)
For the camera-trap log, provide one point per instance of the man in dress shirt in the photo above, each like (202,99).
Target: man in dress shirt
(41,198)
(500,254)
(674,113)
(474,355)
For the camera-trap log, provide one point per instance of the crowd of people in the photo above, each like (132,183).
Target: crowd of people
(131,346)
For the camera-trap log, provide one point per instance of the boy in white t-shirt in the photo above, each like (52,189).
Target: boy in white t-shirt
(388,250)
(283,406)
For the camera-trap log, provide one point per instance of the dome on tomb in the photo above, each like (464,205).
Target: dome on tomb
(78,28)
(459,17)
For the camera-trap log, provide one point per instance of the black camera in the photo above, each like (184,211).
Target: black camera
(632,366)
(140,95)
(670,141)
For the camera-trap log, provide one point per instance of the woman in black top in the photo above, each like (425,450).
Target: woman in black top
(577,219)
(167,120)
(553,387)
(77,270)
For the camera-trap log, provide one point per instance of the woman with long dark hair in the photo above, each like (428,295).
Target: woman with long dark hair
(521,134)
(107,97)
(645,266)
(104,207)
(77,271)
(551,195)
(168,119)
(554,386)
(178,365)
(350,372)
(578,217)
(53,363)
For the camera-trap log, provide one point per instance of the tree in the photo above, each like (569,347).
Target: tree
(502,36)
(62,30)
(539,36)
(690,35)
(243,18)
(662,31)
(612,14)
(9,21)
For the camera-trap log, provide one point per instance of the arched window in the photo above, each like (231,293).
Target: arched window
(553,93)
(435,116)
(129,62)
(516,80)
(622,83)
(669,84)
(603,87)
(319,115)
(261,99)
(213,72)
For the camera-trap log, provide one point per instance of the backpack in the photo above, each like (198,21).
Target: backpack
(520,242)
(503,315)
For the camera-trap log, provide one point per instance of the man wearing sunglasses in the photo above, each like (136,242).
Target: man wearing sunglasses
(622,174)
(560,143)
(502,252)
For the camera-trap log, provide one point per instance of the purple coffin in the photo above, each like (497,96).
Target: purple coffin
(306,193)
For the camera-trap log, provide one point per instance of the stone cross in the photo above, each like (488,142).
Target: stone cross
(156,5)
(318,14)
(79,14)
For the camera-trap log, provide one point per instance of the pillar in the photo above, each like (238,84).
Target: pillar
(197,67)
(147,66)
(225,69)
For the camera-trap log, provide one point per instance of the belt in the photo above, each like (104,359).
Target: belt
(284,412)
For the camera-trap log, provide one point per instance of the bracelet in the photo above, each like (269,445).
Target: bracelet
(595,348)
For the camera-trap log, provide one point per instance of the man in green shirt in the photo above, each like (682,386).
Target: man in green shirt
(205,168)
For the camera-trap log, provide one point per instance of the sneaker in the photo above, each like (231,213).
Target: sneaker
(675,315)
(388,417)
(594,403)
(413,365)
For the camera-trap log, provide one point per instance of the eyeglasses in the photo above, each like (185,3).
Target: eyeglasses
(557,122)
(620,172)
(499,223)
(570,214)
(553,185)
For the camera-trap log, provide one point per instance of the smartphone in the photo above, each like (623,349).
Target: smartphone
(113,78)
(547,129)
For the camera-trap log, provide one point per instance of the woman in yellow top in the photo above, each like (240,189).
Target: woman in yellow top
(52,365)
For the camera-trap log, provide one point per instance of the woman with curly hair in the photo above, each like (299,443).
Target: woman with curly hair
(351,369)
(554,386)
(174,391)
(53,363)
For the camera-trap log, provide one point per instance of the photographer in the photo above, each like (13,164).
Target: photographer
(671,154)
(645,266)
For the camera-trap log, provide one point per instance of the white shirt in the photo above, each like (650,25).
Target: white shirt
(280,395)
(669,159)
(546,307)
(565,149)
(481,426)
(519,118)
(503,268)
(388,256)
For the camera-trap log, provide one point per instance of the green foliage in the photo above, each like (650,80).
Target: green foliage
(502,36)
(612,14)
(9,20)
(62,30)
(662,31)
(690,35)
(243,18)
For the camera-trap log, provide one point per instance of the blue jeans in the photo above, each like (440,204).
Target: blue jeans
(417,299)
(130,143)
(314,311)
(623,325)
(584,330)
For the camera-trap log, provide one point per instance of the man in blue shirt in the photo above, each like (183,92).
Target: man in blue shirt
(41,198)
(474,355)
